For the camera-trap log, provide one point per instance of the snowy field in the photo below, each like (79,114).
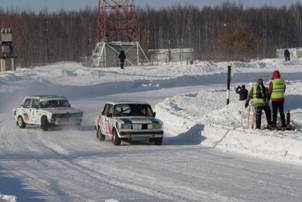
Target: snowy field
(209,154)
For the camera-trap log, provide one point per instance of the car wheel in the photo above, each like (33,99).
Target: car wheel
(158,141)
(20,122)
(101,136)
(44,123)
(115,138)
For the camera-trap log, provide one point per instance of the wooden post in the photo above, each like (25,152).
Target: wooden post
(228,85)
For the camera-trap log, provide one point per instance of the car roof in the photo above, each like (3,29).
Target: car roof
(127,102)
(46,97)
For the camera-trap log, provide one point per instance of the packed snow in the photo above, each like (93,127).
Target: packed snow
(227,128)
(7,198)
(208,153)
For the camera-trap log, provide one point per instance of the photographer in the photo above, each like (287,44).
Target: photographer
(243,92)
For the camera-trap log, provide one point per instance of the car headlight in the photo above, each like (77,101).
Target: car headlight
(126,126)
(50,117)
(157,126)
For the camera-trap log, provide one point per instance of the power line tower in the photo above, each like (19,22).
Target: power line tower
(116,20)
(116,30)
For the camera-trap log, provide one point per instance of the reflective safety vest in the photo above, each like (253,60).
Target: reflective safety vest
(256,100)
(278,88)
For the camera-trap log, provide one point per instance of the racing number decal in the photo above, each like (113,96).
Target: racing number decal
(26,117)
(109,127)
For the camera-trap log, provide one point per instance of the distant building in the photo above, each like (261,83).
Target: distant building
(294,52)
(171,55)
(6,52)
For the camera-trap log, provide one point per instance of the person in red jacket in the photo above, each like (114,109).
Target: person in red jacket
(276,90)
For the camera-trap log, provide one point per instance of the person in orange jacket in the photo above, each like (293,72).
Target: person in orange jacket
(276,90)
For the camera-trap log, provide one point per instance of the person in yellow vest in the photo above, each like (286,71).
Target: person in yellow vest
(277,89)
(259,97)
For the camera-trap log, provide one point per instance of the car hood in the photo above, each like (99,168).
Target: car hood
(63,110)
(139,120)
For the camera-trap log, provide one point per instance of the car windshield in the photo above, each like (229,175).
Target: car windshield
(132,110)
(54,103)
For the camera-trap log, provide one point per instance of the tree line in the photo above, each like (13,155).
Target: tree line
(228,31)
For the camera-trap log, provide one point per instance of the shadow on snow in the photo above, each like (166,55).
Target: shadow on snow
(12,186)
(191,137)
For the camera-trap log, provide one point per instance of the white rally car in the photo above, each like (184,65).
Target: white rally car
(46,111)
(129,122)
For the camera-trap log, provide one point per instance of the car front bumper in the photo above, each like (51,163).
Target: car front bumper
(66,121)
(141,134)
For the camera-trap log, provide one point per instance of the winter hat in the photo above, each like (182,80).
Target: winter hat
(276,75)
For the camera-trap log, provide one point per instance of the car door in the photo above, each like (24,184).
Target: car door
(106,119)
(102,123)
(26,110)
(33,112)
(109,120)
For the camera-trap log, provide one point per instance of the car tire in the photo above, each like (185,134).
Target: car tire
(158,141)
(44,123)
(115,138)
(101,136)
(20,122)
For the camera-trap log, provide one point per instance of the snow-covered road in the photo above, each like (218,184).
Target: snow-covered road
(71,165)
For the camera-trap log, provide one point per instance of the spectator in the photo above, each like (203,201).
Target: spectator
(287,55)
(277,89)
(243,92)
(122,57)
(260,101)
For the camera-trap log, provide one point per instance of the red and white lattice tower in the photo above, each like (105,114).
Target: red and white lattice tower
(116,21)
(115,32)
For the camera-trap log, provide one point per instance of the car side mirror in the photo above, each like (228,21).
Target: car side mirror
(154,114)
(36,107)
(22,105)
(109,115)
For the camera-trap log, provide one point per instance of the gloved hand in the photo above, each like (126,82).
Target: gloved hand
(246,104)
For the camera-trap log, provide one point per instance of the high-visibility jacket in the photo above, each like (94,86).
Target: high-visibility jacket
(278,89)
(256,100)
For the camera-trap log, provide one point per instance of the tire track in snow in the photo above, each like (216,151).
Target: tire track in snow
(113,176)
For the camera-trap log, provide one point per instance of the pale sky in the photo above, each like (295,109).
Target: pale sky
(56,5)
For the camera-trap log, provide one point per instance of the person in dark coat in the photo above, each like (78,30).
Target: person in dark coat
(287,55)
(243,92)
(122,57)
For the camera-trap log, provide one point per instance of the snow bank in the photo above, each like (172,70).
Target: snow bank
(74,74)
(7,198)
(226,127)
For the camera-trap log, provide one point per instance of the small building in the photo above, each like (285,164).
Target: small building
(7,52)
(294,52)
(171,55)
